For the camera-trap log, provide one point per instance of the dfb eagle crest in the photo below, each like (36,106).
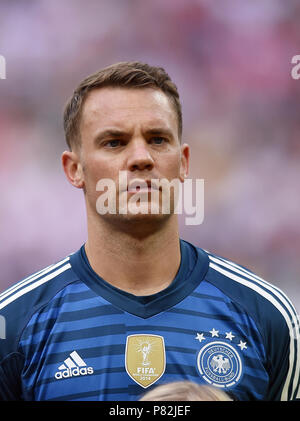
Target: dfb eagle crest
(220,364)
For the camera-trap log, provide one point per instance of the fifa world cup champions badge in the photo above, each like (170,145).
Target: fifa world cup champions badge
(145,358)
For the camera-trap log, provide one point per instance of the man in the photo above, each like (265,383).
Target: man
(136,306)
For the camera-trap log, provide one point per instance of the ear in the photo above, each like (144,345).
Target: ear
(184,162)
(73,168)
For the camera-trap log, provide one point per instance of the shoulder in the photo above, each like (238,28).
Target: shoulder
(257,296)
(273,314)
(19,302)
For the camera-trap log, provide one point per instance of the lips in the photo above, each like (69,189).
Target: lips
(140,185)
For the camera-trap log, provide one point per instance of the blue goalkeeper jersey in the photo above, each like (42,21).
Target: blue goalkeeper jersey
(67,334)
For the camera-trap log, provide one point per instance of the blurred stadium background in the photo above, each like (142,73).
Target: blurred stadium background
(231,61)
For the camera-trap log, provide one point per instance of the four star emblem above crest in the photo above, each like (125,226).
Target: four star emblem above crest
(215,333)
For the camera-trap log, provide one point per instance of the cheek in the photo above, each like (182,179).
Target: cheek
(99,170)
(171,167)
(95,169)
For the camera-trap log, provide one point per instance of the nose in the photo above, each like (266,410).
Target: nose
(139,156)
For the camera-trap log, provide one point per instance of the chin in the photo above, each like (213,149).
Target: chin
(140,225)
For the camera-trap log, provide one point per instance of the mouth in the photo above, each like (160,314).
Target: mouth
(143,186)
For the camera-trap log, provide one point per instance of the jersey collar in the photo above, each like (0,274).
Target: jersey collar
(193,268)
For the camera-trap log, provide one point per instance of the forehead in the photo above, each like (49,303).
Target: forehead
(121,107)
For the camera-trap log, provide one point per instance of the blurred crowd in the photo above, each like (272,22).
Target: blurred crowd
(231,61)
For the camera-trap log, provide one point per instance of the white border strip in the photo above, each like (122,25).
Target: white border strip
(244,272)
(264,284)
(30,278)
(34,285)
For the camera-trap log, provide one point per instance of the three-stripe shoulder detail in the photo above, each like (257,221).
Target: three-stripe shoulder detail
(33,281)
(280,301)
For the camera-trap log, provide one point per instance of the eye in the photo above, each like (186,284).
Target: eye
(113,143)
(158,140)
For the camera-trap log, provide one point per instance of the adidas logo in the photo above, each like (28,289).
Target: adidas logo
(73,366)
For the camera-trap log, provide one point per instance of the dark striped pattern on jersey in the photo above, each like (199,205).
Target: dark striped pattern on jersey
(71,328)
(77,319)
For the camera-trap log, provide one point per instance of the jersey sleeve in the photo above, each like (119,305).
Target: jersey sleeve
(276,320)
(13,318)
(10,377)
(281,332)
(17,305)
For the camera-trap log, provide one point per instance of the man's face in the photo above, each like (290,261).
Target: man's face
(134,131)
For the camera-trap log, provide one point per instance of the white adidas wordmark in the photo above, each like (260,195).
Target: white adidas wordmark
(73,366)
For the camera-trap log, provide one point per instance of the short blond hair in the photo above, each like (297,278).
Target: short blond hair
(124,75)
(185,391)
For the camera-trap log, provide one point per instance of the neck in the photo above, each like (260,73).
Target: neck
(139,264)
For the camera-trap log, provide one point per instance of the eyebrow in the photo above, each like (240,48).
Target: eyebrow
(160,130)
(109,133)
(118,133)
